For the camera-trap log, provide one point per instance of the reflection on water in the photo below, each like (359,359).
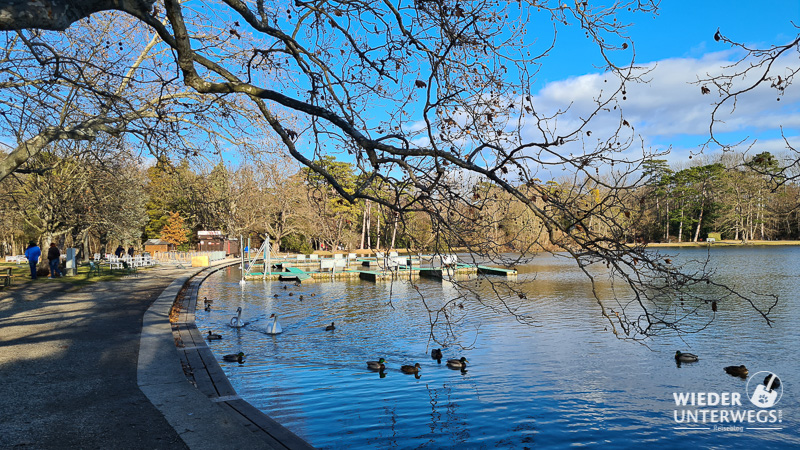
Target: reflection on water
(558,380)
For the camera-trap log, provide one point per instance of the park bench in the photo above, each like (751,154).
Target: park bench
(7,277)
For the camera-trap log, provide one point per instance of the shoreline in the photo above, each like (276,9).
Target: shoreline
(723,243)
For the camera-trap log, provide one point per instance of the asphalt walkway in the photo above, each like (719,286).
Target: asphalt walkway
(78,371)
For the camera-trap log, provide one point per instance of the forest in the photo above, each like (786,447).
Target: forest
(97,204)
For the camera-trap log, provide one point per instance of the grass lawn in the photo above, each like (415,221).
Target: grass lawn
(22,275)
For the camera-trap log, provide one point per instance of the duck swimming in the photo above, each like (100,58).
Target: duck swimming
(685,357)
(330,327)
(437,354)
(737,371)
(276,327)
(237,357)
(207,301)
(457,363)
(410,369)
(208,307)
(376,365)
(212,336)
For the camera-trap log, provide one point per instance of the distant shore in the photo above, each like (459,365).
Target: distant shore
(723,243)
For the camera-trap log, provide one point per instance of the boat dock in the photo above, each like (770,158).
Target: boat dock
(369,269)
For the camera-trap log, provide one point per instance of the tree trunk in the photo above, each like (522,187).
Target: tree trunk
(369,225)
(378,226)
(699,223)
(364,224)
(394,230)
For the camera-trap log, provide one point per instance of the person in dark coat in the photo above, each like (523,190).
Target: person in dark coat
(130,251)
(54,257)
(33,252)
(119,251)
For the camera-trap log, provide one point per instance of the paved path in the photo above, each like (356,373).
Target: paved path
(69,362)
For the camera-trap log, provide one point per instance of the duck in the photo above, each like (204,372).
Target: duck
(437,354)
(276,327)
(410,369)
(276,295)
(737,371)
(301,297)
(234,357)
(207,301)
(208,307)
(457,363)
(236,321)
(330,327)
(291,294)
(685,357)
(284,287)
(376,365)
(213,336)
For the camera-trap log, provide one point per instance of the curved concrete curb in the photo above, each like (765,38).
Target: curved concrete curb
(201,423)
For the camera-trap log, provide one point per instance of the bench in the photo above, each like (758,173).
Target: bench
(7,277)
(94,268)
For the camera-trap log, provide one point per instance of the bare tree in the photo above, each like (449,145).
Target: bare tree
(427,99)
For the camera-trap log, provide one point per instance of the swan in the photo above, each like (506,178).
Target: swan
(457,363)
(276,327)
(410,369)
(376,365)
(236,321)
(685,357)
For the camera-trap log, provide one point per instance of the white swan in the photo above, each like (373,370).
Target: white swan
(276,327)
(236,321)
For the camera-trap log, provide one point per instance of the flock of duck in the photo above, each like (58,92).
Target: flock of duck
(379,365)
(736,371)
(461,364)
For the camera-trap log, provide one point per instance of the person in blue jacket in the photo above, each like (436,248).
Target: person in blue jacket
(33,252)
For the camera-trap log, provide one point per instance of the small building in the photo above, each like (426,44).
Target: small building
(157,245)
(215,241)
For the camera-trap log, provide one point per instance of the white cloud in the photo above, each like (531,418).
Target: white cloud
(670,108)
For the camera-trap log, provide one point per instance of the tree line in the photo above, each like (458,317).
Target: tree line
(95,200)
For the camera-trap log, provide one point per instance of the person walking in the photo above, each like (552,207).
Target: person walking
(130,251)
(54,257)
(119,251)
(33,252)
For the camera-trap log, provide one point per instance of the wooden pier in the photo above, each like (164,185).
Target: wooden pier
(365,272)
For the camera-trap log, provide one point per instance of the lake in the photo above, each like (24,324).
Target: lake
(557,377)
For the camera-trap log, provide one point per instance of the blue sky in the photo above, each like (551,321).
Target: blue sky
(679,45)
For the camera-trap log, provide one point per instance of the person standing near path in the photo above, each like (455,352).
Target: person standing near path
(33,252)
(119,251)
(54,257)
(130,251)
